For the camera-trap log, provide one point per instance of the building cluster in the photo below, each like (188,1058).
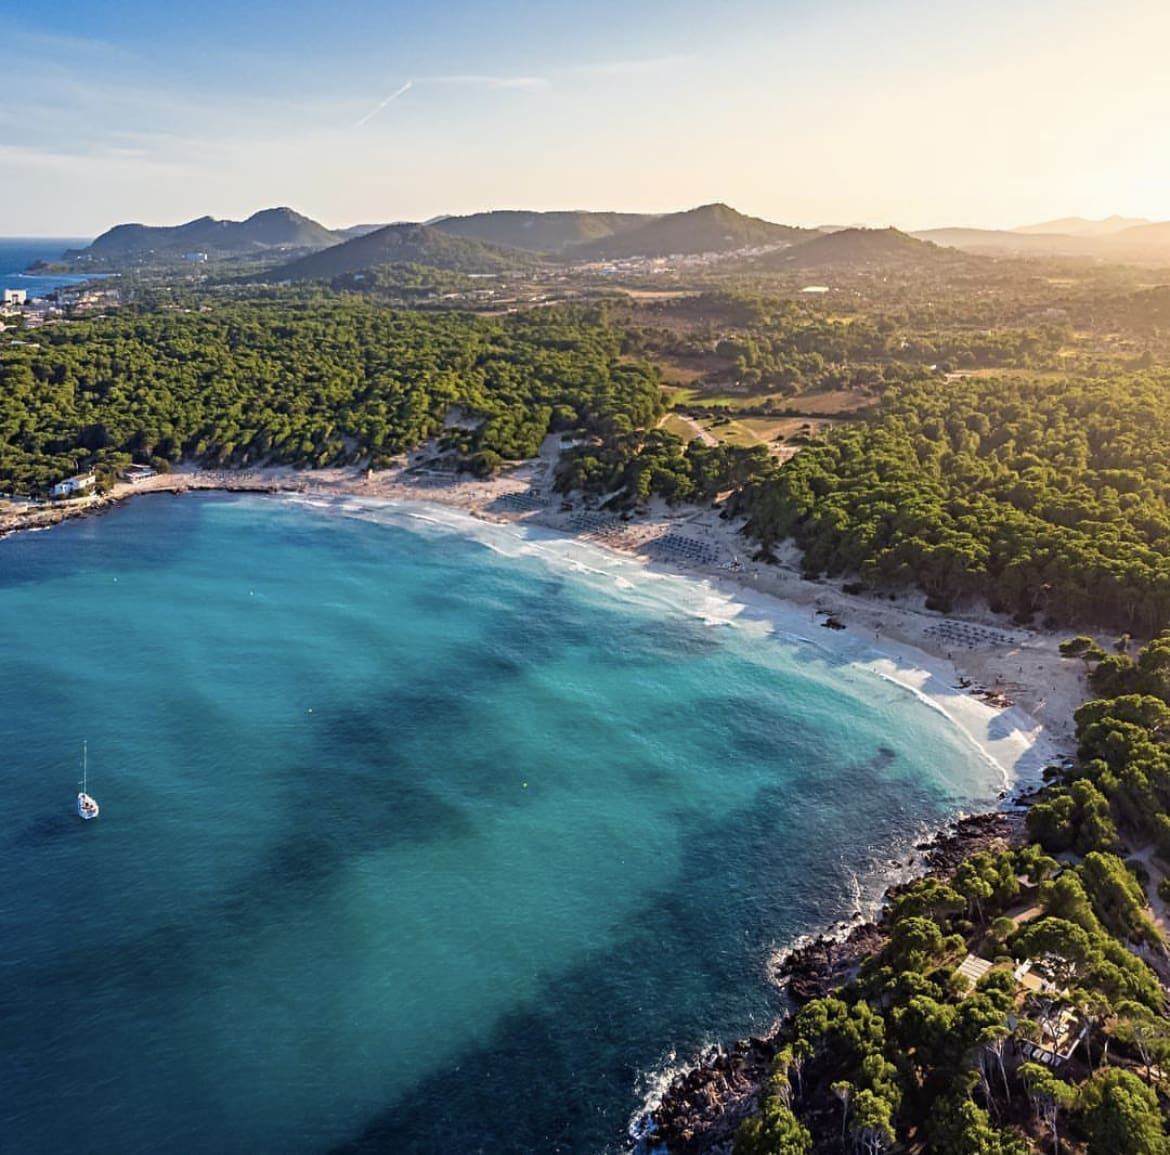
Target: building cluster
(57,305)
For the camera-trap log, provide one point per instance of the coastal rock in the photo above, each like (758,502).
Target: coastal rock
(703,1106)
(945,851)
(821,965)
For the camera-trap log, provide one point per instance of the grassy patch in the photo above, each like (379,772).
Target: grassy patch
(829,403)
(701,397)
(679,426)
(676,372)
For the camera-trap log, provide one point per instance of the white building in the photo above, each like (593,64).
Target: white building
(14,297)
(72,485)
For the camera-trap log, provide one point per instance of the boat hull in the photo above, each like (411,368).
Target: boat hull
(87,808)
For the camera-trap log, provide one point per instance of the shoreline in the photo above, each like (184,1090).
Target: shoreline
(697,1110)
(962,664)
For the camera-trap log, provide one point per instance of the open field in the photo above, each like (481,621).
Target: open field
(830,403)
(685,427)
(676,373)
(746,431)
(700,397)
(749,431)
(660,294)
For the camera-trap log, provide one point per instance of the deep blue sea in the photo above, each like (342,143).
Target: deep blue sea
(413,837)
(17,253)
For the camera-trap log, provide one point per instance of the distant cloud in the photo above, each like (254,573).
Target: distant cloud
(382,104)
(632,67)
(52,157)
(477,81)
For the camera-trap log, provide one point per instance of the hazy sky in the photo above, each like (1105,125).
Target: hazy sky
(902,112)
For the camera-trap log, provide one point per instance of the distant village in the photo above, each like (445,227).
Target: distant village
(59,305)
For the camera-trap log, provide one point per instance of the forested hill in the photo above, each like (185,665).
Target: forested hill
(712,228)
(270,229)
(401,245)
(549,232)
(864,249)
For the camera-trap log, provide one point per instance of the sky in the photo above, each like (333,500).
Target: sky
(905,112)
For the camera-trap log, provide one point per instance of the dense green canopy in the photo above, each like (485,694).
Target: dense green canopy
(1043,496)
(306,382)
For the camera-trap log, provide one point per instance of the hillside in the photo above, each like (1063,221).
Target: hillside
(351,231)
(709,229)
(551,232)
(860,249)
(1080,227)
(402,244)
(269,229)
(1002,241)
(1144,243)
(1141,244)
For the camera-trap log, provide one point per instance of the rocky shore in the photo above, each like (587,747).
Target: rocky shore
(704,1105)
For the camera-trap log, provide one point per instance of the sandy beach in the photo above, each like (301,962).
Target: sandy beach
(976,661)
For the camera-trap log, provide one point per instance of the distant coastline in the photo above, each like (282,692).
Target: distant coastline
(20,258)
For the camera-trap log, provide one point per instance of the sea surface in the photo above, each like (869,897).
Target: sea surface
(17,253)
(416,834)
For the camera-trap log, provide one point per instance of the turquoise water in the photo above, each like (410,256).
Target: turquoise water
(407,843)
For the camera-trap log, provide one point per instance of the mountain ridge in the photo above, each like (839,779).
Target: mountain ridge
(541,232)
(1082,226)
(267,229)
(1140,244)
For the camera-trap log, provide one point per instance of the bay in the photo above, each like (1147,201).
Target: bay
(415,835)
(18,253)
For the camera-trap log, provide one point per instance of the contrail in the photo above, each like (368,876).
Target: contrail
(390,99)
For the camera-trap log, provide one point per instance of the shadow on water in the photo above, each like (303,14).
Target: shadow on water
(315,847)
(563,1075)
(553,624)
(559,1074)
(45,828)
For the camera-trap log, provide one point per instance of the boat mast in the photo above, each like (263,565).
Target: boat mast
(85,766)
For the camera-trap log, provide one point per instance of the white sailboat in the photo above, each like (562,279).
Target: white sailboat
(86,807)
